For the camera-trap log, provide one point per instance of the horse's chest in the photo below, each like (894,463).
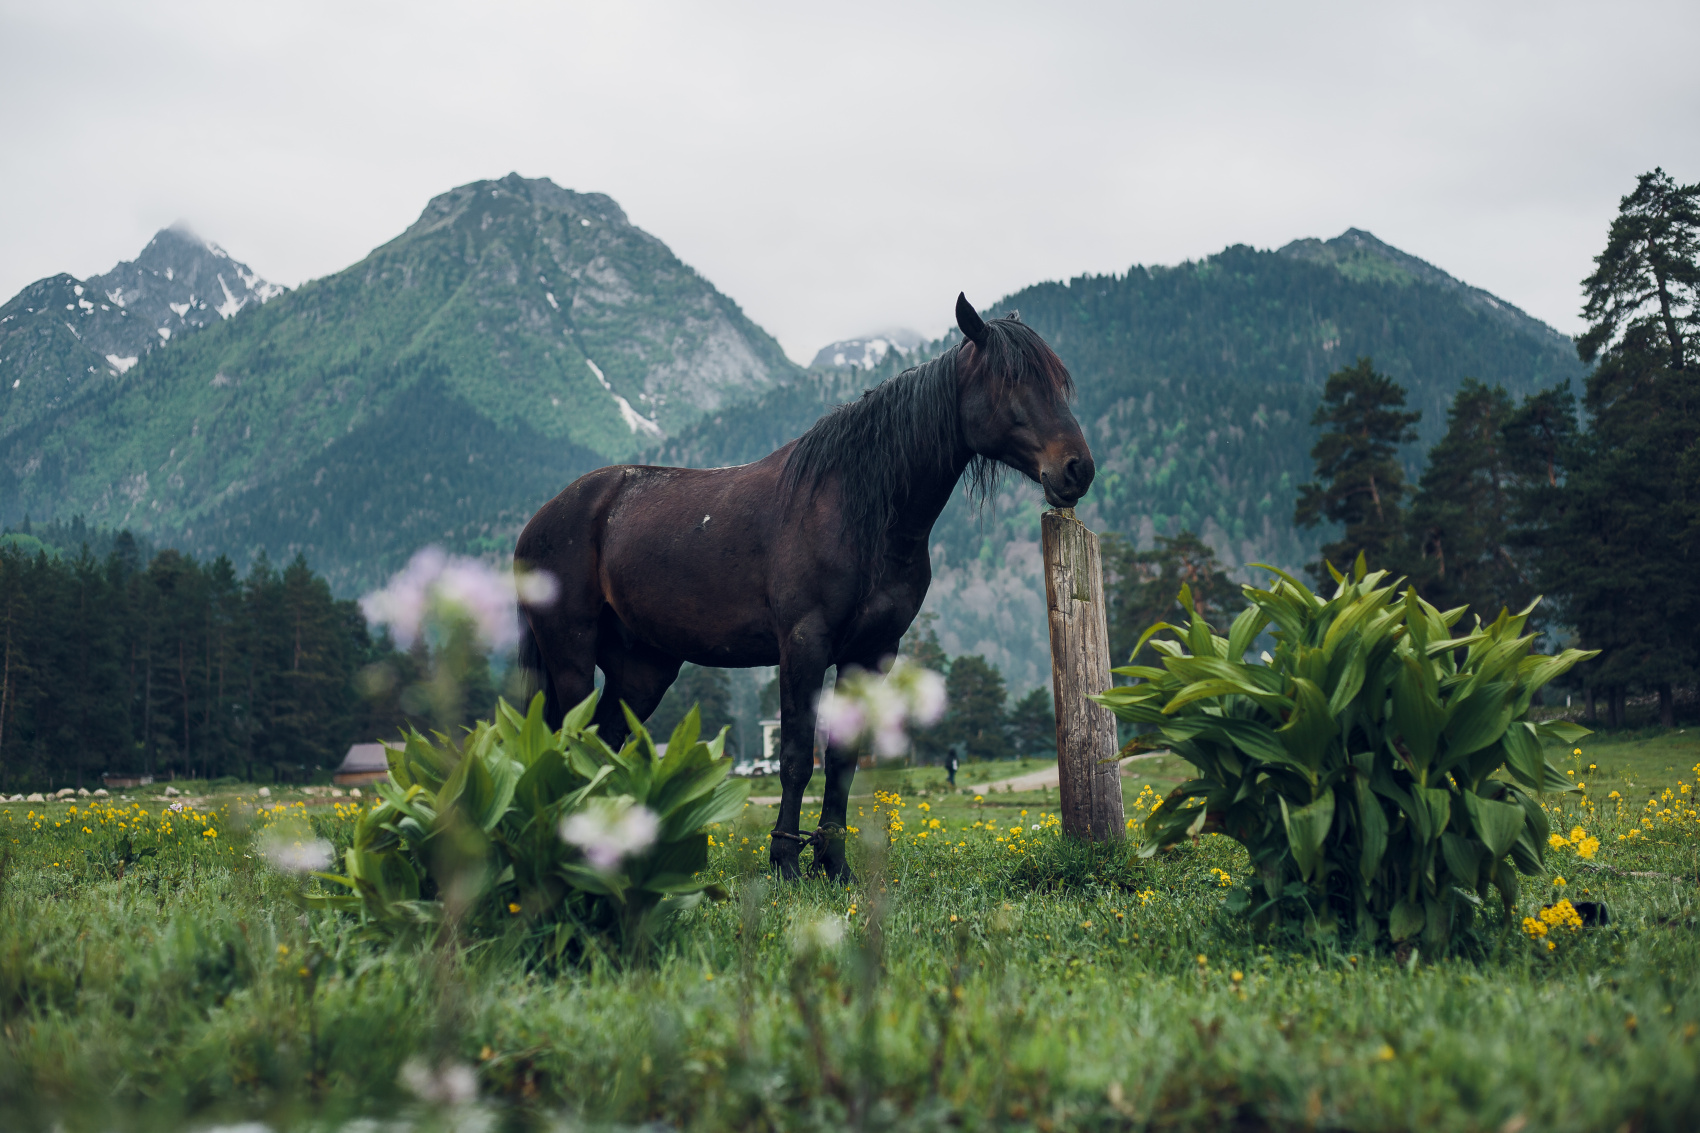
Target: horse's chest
(883,618)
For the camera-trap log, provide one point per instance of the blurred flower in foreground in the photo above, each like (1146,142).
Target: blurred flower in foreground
(882,707)
(436,585)
(610,830)
(452,1083)
(292,855)
(818,934)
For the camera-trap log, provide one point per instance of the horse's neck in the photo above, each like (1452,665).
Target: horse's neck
(930,489)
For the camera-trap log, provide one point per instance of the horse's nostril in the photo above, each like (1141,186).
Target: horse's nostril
(1071,470)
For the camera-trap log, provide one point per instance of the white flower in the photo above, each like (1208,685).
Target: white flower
(435,586)
(610,830)
(818,934)
(882,708)
(294,856)
(452,1083)
(840,718)
(927,696)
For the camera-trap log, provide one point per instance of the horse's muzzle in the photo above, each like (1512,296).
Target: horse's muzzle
(1065,485)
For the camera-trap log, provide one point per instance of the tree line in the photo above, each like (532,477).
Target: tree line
(1597,510)
(161,665)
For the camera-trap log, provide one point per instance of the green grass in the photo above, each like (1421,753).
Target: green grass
(1074,988)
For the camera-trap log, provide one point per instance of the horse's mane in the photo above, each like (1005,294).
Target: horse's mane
(907,426)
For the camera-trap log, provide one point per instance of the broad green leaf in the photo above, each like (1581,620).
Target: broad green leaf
(679,745)
(671,863)
(1476,722)
(1463,860)
(1554,779)
(1129,709)
(1408,920)
(1534,815)
(1418,716)
(1350,680)
(1244,631)
(1523,756)
(1372,829)
(504,778)
(1205,689)
(1252,737)
(725,803)
(1563,730)
(1496,824)
(1537,670)
(1504,879)
(1142,672)
(1310,728)
(1431,812)
(1307,828)
(579,717)
(1150,633)
(1528,855)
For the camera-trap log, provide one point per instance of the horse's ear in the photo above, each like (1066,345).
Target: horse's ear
(968,319)
(1013,316)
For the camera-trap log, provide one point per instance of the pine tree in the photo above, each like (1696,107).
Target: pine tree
(920,646)
(975,714)
(1143,588)
(1359,480)
(1462,514)
(1644,294)
(1618,552)
(1033,725)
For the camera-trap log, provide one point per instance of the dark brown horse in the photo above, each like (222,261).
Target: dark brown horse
(813,556)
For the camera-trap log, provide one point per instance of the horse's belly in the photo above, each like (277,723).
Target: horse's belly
(696,594)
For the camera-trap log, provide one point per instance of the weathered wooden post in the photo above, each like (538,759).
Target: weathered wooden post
(1089,787)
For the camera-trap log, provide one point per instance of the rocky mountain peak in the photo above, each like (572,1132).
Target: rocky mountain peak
(62,337)
(181,281)
(866,351)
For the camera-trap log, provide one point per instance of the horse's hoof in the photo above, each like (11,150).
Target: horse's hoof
(788,868)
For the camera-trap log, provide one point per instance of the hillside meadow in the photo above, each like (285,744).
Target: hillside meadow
(982,973)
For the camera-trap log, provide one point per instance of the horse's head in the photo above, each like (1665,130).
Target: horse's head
(1014,398)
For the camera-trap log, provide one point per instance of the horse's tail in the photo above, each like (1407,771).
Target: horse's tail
(534,674)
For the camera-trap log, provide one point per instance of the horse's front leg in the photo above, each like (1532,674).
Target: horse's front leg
(839,765)
(802,666)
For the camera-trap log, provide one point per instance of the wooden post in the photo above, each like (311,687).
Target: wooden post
(1089,788)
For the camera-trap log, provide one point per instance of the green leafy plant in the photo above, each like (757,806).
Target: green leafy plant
(552,830)
(1383,774)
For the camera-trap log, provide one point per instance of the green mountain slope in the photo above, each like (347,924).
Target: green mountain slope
(1196,383)
(517,335)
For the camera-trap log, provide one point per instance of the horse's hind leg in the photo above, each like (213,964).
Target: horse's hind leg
(563,645)
(634,674)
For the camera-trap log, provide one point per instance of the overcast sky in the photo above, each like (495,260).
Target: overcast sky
(837,169)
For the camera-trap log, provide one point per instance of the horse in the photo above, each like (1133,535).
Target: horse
(814,556)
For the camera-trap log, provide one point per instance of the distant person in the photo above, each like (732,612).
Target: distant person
(952,760)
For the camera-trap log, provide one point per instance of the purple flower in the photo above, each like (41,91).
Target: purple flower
(611,830)
(840,718)
(436,588)
(882,707)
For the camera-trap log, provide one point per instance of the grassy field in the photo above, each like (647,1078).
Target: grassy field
(982,973)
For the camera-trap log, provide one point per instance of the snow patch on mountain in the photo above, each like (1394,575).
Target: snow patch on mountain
(865,352)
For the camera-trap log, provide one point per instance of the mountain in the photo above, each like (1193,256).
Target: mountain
(1196,387)
(440,390)
(867,351)
(63,339)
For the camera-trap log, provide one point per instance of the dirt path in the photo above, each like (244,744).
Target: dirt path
(1032,781)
